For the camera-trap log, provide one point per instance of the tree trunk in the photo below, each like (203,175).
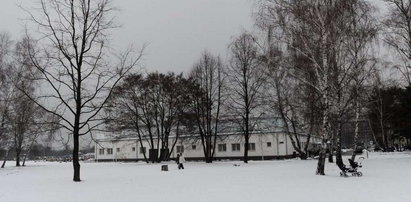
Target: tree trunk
(330,151)
(330,155)
(324,147)
(76,163)
(373,133)
(338,155)
(321,163)
(356,133)
(28,152)
(246,137)
(384,140)
(246,148)
(18,152)
(208,150)
(144,152)
(325,130)
(6,155)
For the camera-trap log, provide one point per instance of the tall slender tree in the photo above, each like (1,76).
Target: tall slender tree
(5,95)
(246,78)
(23,112)
(207,75)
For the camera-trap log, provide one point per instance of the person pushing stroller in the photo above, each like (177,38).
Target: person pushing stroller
(353,169)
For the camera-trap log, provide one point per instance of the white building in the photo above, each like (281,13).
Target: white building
(265,143)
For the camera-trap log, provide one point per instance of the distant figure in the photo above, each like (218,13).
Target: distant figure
(180,161)
(364,151)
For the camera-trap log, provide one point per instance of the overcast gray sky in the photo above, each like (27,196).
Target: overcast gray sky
(176,31)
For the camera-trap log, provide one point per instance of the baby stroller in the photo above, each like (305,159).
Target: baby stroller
(352,169)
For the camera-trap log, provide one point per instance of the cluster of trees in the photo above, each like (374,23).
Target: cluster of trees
(72,62)
(22,121)
(155,106)
(152,106)
(311,62)
(326,49)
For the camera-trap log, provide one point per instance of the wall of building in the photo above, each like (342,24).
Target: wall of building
(121,149)
(267,146)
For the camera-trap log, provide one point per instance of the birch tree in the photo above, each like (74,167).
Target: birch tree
(23,112)
(308,27)
(317,31)
(398,34)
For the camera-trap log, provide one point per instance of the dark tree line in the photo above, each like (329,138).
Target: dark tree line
(152,106)
(389,112)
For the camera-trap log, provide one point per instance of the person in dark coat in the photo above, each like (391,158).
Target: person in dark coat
(178,160)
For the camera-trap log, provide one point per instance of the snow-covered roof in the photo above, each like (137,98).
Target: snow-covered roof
(226,127)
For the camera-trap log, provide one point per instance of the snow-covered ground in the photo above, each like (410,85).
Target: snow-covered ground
(386,178)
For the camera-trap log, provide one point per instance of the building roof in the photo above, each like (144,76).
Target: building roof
(226,127)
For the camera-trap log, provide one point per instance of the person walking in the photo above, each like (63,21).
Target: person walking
(180,161)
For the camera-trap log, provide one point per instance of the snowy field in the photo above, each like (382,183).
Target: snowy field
(386,177)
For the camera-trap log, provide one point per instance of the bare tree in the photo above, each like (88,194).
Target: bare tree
(292,100)
(73,57)
(362,32)
(398,34)
(379,104)
(23,111)
(289,101)
(5,95)
(207,74)
(246,78)
(5,85)
(307,28)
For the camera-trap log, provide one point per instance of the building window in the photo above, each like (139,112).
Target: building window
(251,146)
(193,147)
(180,149)
(222,147)
(268,144)
(101,151)
(133,149)
(142,150)
(110,151)
(118,149)
(235,147)
(281,142)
